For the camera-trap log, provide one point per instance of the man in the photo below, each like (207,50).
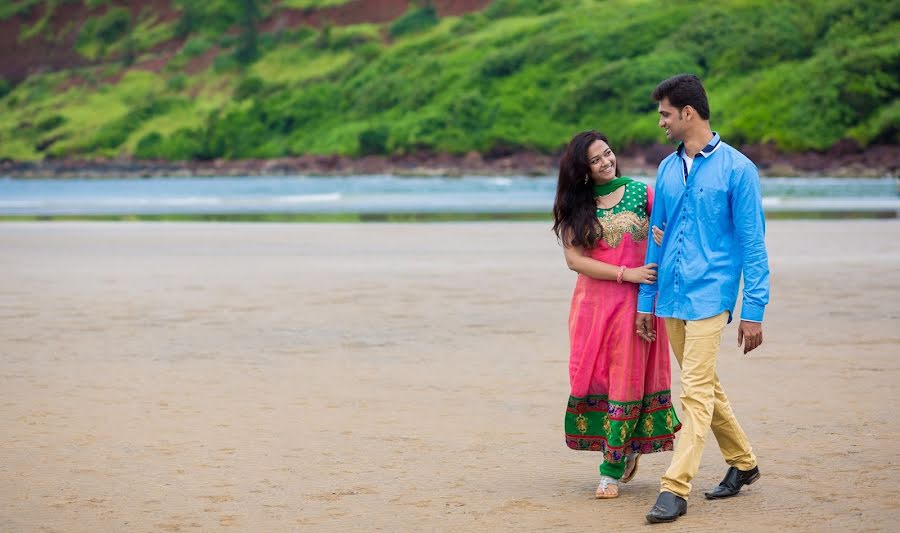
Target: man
(708,200)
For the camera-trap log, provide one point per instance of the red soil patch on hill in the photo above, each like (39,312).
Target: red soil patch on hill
(362,11)
(20,59)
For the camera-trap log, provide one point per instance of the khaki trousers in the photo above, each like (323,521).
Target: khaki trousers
(703,403)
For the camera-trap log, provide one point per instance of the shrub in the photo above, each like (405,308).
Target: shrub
(50,123)
(5,87)
(225,62)
(190,19)
(227,41)
(503,63)
(374,141)
(414,20)
(177,82)
(149,146)
(344,40)
(234,134)
(116,132)
(195,47)
(511,8)
(323,39)
(183,145)
(113,25)
(248,88)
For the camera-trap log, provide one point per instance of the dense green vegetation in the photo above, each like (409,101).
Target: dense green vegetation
(522,74)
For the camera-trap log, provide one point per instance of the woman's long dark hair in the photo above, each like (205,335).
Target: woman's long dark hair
(574,211)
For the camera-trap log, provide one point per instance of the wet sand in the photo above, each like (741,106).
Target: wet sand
(254,377)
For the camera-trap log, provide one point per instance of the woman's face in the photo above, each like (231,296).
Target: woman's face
(602,162)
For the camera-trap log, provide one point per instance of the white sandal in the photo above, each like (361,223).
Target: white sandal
(608,488)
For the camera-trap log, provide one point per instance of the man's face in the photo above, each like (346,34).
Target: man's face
(670,119)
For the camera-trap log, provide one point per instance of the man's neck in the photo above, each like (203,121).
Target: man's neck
(696,141)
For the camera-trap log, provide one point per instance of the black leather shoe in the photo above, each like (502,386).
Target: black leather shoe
(668,508)
(734,480)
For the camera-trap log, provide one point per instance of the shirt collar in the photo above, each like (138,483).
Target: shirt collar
(707,150)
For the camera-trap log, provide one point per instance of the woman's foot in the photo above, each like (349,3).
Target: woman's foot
(631,465)
(608,488)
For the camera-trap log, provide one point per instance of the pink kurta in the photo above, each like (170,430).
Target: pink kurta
(620,398)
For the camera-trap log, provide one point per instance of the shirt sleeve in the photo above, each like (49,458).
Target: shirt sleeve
(647,293)
(750,225)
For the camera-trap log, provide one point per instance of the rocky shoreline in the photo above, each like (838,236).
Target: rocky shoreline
(842,160)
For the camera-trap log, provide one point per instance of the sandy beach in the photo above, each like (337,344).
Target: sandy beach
(405,377)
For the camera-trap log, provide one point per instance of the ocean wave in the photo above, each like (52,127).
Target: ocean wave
(307,198)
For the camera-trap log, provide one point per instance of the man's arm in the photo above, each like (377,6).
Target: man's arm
(750,225)
(647,293)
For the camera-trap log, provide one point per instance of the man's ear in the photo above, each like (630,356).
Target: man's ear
(688,112)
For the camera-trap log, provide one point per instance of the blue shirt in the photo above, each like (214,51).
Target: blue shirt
(714,230)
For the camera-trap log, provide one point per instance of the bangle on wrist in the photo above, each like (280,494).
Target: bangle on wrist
(620,274)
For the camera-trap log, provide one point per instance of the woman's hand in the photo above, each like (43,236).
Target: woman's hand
(644,274)
(657,236)
(644,325)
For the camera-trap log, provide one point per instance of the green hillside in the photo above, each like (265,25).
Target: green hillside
(522,74)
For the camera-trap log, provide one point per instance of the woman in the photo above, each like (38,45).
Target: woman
(620,401)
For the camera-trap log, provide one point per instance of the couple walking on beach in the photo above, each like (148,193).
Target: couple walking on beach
(657,268)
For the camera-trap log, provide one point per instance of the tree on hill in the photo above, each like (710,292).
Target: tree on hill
(248,17)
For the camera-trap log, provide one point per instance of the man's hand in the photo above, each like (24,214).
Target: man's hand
(657,236)
(750,334)
(644,326)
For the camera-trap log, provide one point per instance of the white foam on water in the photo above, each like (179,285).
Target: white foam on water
(306,198)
